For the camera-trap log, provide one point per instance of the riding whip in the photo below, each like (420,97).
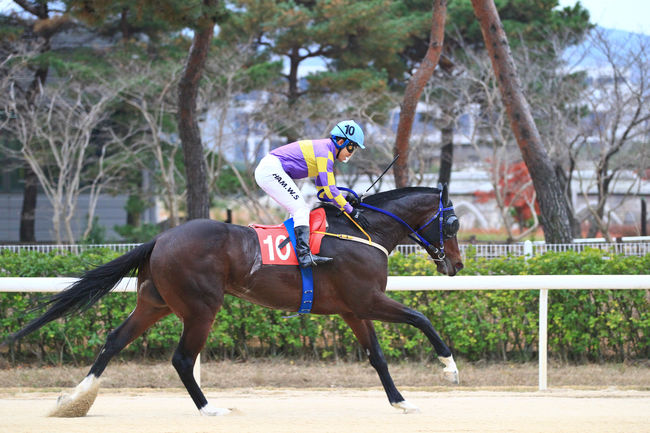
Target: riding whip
(380,176)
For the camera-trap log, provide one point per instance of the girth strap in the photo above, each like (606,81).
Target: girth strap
(307,276)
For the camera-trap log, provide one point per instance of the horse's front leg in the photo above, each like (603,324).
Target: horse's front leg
(386,309)
(421,322)
(365,333)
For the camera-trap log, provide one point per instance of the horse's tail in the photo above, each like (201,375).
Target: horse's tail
(89,289)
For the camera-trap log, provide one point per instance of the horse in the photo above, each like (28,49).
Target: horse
(187,270)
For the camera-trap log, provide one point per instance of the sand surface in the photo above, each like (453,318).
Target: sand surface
(338,410)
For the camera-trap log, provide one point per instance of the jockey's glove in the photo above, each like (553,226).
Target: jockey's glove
(360,219)
(353,200)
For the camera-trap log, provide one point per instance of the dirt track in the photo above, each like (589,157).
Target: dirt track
(340,410)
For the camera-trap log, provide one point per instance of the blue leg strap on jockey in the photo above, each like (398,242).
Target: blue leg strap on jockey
(307,276)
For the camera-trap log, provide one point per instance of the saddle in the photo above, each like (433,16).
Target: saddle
(275,245)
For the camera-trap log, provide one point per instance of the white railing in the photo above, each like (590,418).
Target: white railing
(543,283)
(528,248)
(632,246)
(73,248)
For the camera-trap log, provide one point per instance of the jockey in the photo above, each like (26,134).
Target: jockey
(276,172)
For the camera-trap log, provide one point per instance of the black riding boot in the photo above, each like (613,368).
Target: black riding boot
(303,252)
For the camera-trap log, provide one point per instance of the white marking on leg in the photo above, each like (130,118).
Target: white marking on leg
(79,402)
(85,385)
(406,407)
(450,371)
(209,410)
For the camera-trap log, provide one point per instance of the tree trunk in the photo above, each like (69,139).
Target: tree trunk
(198,199)
(294,63)
(293,93)
(28,212)
(565,184)
(124,24)
(30,190)
(27,231)
(446,154)
(555,218)
(414,90)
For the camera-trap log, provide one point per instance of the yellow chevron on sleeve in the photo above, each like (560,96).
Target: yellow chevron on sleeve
(307,149)
(328,192)
(340,200)
(321,164)
(330,178)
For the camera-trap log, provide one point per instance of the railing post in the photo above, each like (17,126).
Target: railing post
(543,338)
(543,328)
(528,249)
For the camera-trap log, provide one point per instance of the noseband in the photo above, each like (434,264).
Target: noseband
(415,233)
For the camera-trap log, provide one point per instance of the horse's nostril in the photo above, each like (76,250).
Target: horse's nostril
(459,266)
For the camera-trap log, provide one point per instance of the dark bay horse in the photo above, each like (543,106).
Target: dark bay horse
(188,269)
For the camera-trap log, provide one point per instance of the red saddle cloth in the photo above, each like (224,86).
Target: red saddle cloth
(270,238)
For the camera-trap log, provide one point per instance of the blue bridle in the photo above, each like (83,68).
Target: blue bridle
(415,235)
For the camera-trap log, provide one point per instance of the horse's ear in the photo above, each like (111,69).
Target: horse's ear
(445,194)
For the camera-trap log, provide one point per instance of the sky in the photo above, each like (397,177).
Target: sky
(628,15)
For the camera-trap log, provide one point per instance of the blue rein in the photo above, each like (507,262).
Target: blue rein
(440,252)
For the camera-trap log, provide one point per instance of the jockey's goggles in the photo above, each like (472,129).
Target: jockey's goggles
(347,143)
(351,146)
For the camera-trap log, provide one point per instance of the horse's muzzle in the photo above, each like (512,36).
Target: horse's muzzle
(449,267)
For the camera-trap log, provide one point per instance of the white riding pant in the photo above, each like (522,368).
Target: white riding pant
(272,178)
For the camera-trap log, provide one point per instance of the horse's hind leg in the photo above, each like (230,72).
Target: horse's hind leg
(149,309)
(365,333)
(386,309)
(195,333)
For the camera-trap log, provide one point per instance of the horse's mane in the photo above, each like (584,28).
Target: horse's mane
(381,198)
(395,194)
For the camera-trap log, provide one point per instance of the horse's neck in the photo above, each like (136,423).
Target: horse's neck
(412,212)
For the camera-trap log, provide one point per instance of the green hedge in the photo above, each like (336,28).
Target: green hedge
(584,325)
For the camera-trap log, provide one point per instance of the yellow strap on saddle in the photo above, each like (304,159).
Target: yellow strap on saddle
(356,239)
(359,227)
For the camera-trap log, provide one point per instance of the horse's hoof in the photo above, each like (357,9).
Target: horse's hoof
(209,410)
(406,407)
(79,402)
(451,375)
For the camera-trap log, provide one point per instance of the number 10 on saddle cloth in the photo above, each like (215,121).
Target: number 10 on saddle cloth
(274,240)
